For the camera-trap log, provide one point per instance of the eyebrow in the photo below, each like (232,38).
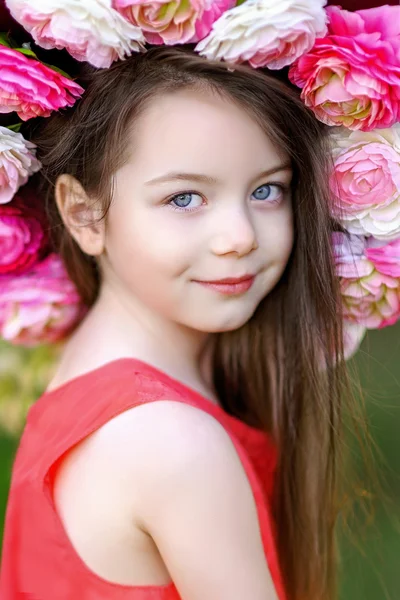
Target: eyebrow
(176,176)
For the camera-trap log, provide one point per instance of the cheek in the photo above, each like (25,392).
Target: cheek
(277,237)
(287,240)
(147,246)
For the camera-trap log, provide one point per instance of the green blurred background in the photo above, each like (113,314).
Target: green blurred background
(370,562)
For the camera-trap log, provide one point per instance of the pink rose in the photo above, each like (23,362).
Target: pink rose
(214,9)
(173,22)
(23,237)
(266,33)
(386,257)
(17,162)
(40,306)
(91,30)
(366,181)
(351,77)
(370,297)
(32,89)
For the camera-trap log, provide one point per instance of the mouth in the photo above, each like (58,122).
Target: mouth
(232,280)
(230,285)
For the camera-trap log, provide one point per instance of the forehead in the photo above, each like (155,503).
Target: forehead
(203,127)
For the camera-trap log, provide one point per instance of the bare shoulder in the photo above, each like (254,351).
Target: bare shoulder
(173,470)
(168,432)
(158,437)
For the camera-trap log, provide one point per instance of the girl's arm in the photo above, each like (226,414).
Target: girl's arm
(172,471)
(197,504)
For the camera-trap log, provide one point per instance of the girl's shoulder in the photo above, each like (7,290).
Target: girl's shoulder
(103,400)
(166,470)
(116,386)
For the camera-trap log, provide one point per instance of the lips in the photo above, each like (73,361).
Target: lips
(230,280)
(230,285)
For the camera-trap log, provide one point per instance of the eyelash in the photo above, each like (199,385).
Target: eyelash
(283,188)
(180,209)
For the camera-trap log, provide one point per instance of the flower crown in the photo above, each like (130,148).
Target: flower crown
(347,65)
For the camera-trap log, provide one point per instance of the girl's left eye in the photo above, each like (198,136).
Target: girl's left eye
(269,191)
(187,201)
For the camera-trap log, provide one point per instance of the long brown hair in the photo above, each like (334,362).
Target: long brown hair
(282,371)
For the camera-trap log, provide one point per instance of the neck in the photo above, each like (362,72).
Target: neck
(127,329)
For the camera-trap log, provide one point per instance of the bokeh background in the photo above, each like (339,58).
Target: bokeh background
(371,555)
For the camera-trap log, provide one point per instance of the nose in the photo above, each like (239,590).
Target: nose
(235,233)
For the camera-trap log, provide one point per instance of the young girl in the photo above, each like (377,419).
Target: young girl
(188,444)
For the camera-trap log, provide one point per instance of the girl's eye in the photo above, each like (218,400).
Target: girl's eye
(269,191)
(188,200)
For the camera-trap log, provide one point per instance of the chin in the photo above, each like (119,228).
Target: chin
(225,323)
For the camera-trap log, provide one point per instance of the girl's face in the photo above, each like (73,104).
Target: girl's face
(204,196)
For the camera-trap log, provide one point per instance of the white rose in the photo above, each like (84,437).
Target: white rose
(353,335)
(266,33)
(17,163)
(91,30)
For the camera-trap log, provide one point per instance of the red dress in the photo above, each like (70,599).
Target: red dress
(38,560)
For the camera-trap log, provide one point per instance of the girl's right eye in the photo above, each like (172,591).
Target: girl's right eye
(186,202)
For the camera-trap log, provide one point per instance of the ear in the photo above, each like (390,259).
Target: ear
(80,215)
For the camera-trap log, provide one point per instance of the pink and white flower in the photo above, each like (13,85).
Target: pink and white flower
(266,33)
(91,30)
(31,88)
(23,234)
(40,306)
(353,335)
(366,181)
(173,22)
(370,297)
(17,163)
(351,77)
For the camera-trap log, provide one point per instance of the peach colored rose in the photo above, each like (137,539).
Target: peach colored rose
(173,21)
(17,162)
(90,30)
(370,298)
(266,33)
(32,89)
(366,181)
(40,306)
(351,77)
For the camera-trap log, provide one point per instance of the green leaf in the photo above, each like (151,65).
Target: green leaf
(15,127)
(27,52)
(7,40)
(58,70)
(4,41)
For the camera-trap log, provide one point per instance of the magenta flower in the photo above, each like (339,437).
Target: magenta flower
(173,21)
(366,181)
(17,162)
(386,257)
(351,77)
(23,235)
(40,306)
(32,89)
(370,297)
